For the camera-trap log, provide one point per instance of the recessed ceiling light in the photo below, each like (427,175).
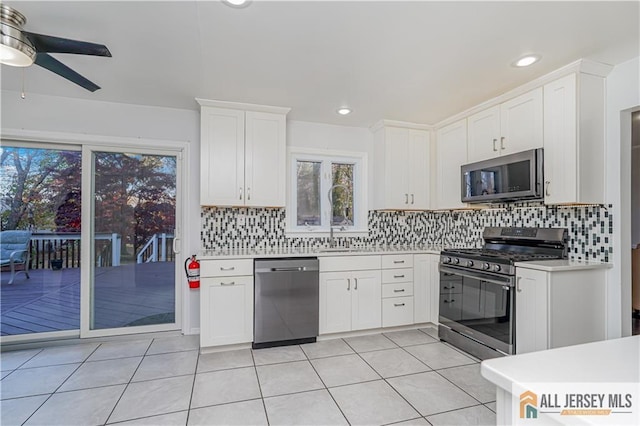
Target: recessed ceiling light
(344,111)
(238,4)
(525,61)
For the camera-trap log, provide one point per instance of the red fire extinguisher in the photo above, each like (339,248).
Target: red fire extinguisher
(193,271)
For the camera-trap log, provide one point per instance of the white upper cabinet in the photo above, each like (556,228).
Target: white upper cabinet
(512,126)
(402,159)
(451,154)
(574,149)
(243,154)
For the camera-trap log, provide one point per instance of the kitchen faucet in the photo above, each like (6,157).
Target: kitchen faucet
(331,228)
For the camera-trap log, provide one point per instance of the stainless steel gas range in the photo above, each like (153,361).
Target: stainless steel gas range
(477,287)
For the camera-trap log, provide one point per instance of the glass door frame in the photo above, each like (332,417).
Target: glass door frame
(88,199)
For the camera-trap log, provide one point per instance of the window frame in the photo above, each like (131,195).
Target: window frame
(360,192)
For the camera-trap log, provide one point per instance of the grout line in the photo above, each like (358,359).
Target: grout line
(255,370)
(193,386)
(325,385)
(63,382)
(145,417)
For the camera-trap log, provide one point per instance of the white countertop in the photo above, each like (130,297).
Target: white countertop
(607,361)
(562,265)
(316,252)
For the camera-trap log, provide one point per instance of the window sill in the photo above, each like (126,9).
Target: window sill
(323,233)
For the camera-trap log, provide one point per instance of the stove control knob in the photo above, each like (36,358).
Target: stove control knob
(497,268)
(486,266)
(456,261)
(469,263)
(447,260)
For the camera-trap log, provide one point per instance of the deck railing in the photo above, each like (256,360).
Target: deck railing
(159,248)
(66,246)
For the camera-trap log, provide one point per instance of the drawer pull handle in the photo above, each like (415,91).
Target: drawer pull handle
(398,304)
(398,261)
(348,284)
(356,281)
(398,276)
(449,301)
(449,288)
(231,283)
(399,291)
(227,269)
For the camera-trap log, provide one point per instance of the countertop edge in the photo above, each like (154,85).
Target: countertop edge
(365,252)
(562,265)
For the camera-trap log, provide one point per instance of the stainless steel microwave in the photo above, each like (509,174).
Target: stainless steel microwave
(510,177)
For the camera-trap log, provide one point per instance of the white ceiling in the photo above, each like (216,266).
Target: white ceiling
(412,61)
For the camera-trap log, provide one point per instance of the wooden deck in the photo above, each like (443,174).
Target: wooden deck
(126,295)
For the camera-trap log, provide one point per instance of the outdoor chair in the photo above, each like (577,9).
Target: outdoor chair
(14,250)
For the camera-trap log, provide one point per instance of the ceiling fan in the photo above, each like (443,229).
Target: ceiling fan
(21,48)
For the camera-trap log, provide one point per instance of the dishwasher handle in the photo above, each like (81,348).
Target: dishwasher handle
(298,269)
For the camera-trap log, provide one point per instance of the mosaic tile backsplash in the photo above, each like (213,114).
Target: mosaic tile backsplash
(590,228)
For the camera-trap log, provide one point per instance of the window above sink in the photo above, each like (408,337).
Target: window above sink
(326,189)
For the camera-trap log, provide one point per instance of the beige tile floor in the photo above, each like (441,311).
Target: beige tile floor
(405,377)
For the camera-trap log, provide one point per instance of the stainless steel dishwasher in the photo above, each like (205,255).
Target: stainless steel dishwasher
(286,301)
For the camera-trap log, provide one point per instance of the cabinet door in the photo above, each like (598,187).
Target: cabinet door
(221,157)
(226,310)
(451,153)
(421,288)
(434,288)
(265,159)
(418,163)
(484,135)
(560,141)
(521,123)
(335,302)
(531,311)
(366,300)
(397,168)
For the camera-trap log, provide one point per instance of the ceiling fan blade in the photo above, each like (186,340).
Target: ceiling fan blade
(53,65)
(50,44)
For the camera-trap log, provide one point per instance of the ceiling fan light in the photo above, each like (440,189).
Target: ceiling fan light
(16,53)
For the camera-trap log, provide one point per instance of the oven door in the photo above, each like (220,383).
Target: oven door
(479,305)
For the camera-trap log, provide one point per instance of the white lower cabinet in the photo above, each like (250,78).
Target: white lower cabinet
(555,309)
(350,293)
(397,290)
(425,288)
(349,301)
(226,303)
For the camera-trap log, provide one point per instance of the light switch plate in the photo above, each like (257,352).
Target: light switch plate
(242,220)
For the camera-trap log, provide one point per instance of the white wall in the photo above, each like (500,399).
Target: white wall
(304,134)
(635,180)
(623,95)
(82,117)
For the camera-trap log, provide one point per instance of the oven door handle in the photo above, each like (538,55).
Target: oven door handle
(482,277)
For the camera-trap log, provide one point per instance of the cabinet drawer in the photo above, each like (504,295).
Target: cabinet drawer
(450,287)
(391,261)
(348,263)
(397,290)
(226,268)
(231,281)
(397,275)
(397,311)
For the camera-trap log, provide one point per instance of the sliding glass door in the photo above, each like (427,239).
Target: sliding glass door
(133,205)
(40,218)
